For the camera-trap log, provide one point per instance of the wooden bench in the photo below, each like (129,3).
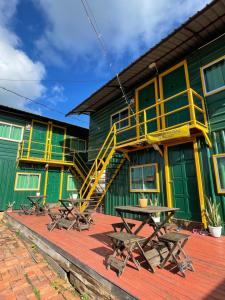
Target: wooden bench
(175,243)
(121,226)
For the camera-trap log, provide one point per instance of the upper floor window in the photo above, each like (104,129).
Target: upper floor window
(121,118)
(213,76)
(78,144)
(11,132)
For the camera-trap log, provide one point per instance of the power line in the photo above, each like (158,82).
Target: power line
(89,14)
(37,102)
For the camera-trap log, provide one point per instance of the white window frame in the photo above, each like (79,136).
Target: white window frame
(12,140)
(67,185)
(206,93)
(27,189)
(157,189)
(76,138)
(118,112)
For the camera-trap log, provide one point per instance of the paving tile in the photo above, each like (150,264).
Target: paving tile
(20,275)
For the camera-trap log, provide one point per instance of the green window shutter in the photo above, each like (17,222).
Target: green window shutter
(5,130)
(215,76)
(16,133)
(27,182)
(71,183)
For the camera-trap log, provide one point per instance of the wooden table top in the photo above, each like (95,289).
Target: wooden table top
(146,210)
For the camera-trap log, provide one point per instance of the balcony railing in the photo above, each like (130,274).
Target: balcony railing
(33,151)
(184,108)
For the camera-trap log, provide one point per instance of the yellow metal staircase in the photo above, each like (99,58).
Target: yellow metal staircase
(97,181)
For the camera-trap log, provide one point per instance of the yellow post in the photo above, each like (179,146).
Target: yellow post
(61,183)
(199,180)
(167,176)
(46,183)
(30,137)
(145,123)
(191,106)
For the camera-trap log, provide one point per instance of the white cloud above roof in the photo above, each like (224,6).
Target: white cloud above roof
(15,64)
(128,26)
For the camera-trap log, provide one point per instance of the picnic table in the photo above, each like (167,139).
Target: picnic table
(36,206)
(70,216)
(156,249)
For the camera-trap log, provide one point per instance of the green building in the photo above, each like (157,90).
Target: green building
(39,155)
(165,137)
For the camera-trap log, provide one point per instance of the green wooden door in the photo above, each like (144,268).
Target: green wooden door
(38,139)
(184,185)
(53,186)
(172,84)
(57,143)
(147,97)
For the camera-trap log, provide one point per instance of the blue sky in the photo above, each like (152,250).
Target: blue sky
(50,53)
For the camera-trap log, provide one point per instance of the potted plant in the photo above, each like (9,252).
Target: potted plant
(156,216)
(213,217)
(10,206)
(143,201)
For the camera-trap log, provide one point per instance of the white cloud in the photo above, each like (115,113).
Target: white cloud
(16,65)
(128,26)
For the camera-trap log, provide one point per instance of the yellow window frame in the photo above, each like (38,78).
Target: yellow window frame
(203,77)
(27,189)
(153,80)
(168,71)
(215,164)
(117,112)
(15,125)
(157,190)
(67,185)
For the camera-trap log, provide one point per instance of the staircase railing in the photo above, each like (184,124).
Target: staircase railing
(97,168)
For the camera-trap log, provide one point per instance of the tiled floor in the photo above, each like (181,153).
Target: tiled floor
(24,274)
(92,247)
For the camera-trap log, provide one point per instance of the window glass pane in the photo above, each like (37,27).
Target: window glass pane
(5,130)
(136,178)
(221,171)
(149,174)
(115,118)
(82,145)
(22,181)
(16,133)
(33,181)
(124,114)
(71,183)
(215,76)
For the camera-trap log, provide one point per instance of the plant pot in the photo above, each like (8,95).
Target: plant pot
(215,231)
(9,209)
(156,219)
(143,202)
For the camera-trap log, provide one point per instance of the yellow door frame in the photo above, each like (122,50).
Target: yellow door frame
(64,140)
(153,80)
(198,175)
(170,70)
(46,183)
(61,182)
(31,134)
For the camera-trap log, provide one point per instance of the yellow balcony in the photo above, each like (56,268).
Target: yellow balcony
(37,152)
(180,115)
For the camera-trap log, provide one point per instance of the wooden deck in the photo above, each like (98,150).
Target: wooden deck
(91,247)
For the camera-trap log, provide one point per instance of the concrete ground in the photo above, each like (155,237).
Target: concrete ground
(24,273)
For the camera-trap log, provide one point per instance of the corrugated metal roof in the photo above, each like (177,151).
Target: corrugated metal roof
(204,26)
